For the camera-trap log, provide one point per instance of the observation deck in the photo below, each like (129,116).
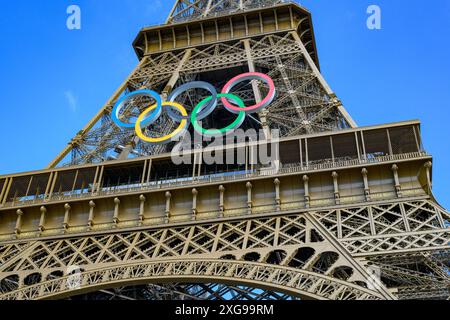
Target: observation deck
(362,165)
(228,26)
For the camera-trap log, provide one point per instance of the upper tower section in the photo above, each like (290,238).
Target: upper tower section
(191,9)
(203,22)
(212,42)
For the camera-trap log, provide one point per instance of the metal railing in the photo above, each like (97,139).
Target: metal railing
(242,211)
(298,168)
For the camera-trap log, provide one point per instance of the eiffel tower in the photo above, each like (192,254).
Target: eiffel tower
(348,215)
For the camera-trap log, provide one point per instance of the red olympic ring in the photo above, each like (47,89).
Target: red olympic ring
(249,76)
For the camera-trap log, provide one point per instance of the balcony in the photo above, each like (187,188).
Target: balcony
(297,156)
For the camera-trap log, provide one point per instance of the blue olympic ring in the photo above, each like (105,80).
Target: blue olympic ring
(151,118)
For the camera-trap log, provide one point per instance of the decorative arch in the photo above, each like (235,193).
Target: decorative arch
(297,283)
(9,283)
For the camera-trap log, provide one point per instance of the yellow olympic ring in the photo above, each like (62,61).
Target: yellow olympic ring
(164,139)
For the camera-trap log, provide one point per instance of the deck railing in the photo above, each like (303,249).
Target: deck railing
(240,211)
(328,164)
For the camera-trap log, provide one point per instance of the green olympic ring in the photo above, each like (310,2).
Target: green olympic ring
(218,132)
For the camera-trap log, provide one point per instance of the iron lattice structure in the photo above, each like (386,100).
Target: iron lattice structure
(304,104)
(192,10)
(349,215)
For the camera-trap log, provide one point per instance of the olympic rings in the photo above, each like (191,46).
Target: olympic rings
(250,76)
(206,111)
(218,132)
(170,137)
(139,93)
(203,109)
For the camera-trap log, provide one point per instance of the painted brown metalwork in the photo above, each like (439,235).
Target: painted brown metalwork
(348,214)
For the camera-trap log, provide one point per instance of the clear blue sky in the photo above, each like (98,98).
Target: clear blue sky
(54,80)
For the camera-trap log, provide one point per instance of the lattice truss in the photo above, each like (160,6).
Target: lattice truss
(406,243)
(185,10)
(313,255)
(302,104)
(181,291)
(286,253)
